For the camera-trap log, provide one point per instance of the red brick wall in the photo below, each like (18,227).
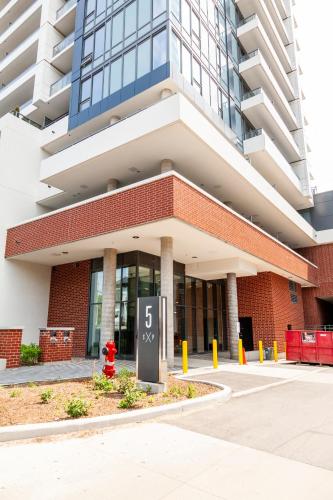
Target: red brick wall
(69,301)
(56,348)
(10,343)
(316,311)
(156,200)
(266,299)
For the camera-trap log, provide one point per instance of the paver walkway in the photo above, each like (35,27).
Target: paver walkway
(82,368)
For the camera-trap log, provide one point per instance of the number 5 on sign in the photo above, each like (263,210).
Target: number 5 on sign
(148,317)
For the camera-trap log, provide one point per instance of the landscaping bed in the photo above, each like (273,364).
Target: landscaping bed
(47,402)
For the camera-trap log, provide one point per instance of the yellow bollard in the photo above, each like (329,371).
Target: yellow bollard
(261,352)
(275,350)
(185,357)
(215,359)
(240,352)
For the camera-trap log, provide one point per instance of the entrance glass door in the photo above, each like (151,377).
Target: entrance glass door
(95,314)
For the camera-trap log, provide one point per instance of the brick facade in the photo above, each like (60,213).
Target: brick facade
(69,301)
(266,299)
(153,201)
(318,312)
(56,345)
(10,344)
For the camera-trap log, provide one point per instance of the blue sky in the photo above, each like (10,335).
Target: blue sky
(315,36)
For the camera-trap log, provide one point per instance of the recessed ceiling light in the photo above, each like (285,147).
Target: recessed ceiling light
(135,237)
(65,253)
(194,257)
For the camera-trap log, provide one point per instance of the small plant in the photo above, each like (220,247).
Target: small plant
(176,391)
(131,396)
(77,408)
(150,400)
(148,389)
(102,383)
(30,354)
(15,393)
(46,396)
(32,385)
(125,381)
(191,391)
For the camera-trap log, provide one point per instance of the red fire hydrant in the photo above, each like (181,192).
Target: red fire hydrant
(109,352)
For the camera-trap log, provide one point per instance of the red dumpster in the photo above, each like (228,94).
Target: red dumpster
(293,345)
(325,347)
(309,347)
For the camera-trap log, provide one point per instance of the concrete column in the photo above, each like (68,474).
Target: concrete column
(112,185)
(232,314)
(109,296)
(166,166)
(167,291)
(114,119)
(165,93)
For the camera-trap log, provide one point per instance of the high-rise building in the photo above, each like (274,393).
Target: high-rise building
(155,147)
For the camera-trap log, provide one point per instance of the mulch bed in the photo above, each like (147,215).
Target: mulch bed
(22,404)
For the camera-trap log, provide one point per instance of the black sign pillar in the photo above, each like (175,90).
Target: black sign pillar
(151,359)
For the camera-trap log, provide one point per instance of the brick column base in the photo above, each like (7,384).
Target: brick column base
(56,344)
(10,344)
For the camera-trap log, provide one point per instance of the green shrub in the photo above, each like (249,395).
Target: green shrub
(191,391)
(131,396)
(102,383)
(30,354)
(125,381)
(176,391)
(15,393)
(77,407)
(46,396)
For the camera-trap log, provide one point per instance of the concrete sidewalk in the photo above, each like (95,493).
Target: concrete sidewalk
(153,462)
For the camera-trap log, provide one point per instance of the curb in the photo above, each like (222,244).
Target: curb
(30,431)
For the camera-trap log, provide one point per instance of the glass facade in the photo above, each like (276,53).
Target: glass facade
(198,305)
(125,44)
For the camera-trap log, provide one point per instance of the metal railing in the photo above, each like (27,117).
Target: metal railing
(249,134)
(251,93)
(25,119)
(247,20)
(61,83)
(248,56)
(60,12)
(63,44)
(321,328)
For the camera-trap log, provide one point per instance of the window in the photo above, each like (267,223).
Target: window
(144,12)
(175,9)
(196,73)
(106,81)
(88,46)
(205,86)
(195,29)
(212,52)
(130,19)
(129,67)
(159,49)
(97,87)
(85,94)
(176,51)
(186,16)
(116,71)
(90,6)
(101,4)
(204,41)
(144,58)
(159,6)
(99,43)
(117,28)
(186,64)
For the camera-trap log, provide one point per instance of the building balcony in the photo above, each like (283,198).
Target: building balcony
(63,53)
(61,84)
(278,20)
(268,160)
(257,74)
(23,56)
(259,7)
(12,11)
(18,91)
(171,128)
(65,17)
(258,108)
(28,22)
(253,36)
(281,6)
